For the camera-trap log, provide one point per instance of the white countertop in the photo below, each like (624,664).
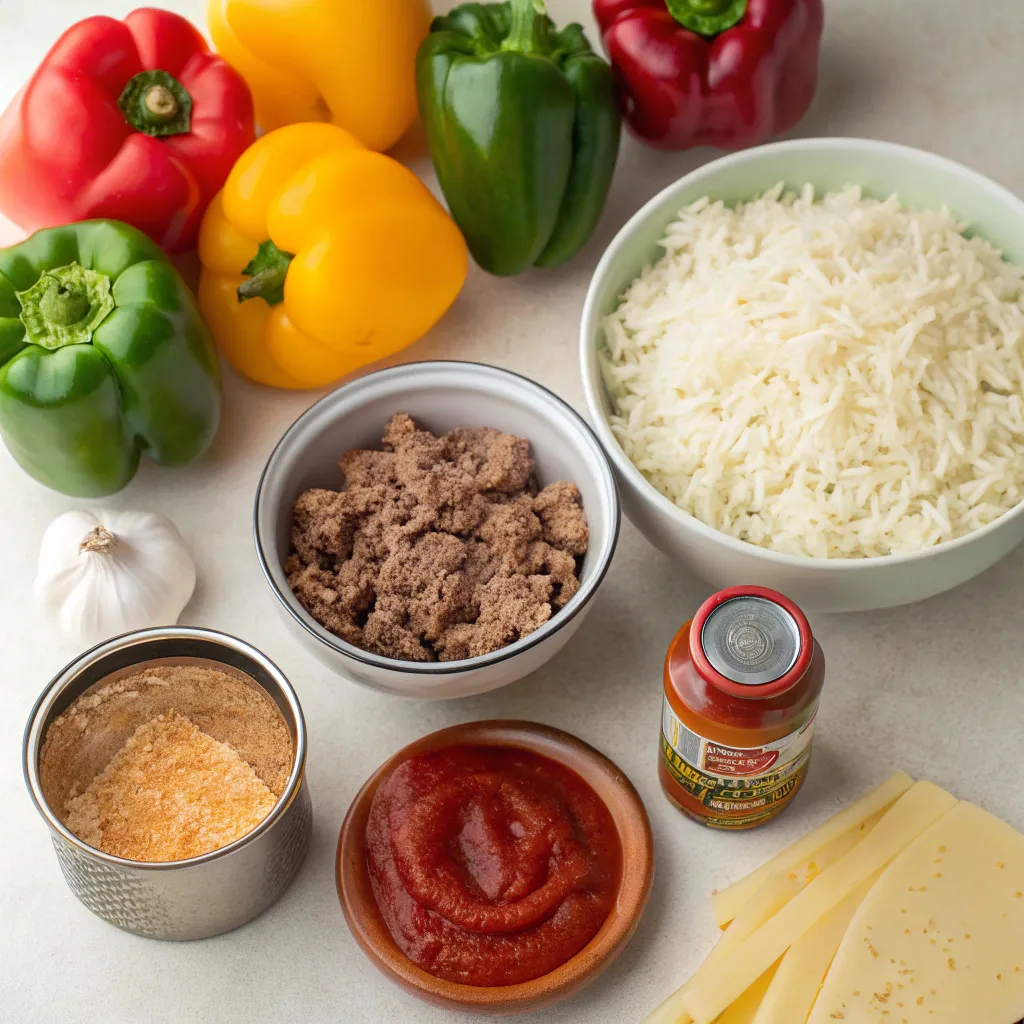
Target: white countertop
(935,689)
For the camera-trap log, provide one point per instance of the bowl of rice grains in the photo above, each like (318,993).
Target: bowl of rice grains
(168,764)
(805,362)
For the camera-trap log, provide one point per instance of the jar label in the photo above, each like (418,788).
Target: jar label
(736,786)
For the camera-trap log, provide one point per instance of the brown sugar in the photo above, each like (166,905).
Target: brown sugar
(438,547)
(171,792)
(166,762)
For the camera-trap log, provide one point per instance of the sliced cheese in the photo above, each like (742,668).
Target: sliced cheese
(745,1009)
(775,891)
(833,851)
(794,986)
(940,938)
(727,903)
(773,895)
(711,990)
(809,955)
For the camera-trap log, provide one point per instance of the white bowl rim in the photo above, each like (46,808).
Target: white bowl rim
(590,328)
(560,618)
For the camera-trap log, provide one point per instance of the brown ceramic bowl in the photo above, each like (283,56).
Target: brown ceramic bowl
(634,829)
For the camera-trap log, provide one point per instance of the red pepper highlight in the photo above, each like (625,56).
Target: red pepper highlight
(135,120)
(750,81)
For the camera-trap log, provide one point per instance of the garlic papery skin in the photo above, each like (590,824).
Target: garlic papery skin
(104,572)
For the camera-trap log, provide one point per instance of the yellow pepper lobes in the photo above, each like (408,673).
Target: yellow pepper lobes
(350,62)
(320,256)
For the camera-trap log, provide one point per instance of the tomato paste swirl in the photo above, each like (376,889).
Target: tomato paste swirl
(491,865)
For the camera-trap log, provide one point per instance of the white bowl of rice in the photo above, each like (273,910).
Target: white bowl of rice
(805,362)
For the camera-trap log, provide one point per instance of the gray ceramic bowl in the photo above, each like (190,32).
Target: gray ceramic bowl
(440,396)
(853,584)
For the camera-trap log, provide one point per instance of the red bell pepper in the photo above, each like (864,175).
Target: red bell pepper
(135,120)
(725,73)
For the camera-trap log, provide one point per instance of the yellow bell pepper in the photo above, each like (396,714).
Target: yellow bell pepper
(320,256)
(350,62)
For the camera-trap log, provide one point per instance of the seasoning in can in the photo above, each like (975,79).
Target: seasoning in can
(742,682)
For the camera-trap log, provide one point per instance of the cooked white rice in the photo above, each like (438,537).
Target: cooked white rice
(837,378)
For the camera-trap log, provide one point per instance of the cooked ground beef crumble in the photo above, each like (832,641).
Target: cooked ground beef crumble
(438,548)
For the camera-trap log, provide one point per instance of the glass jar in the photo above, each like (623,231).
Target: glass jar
(742,682)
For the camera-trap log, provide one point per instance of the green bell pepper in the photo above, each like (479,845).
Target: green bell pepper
(103,356)
(523,123)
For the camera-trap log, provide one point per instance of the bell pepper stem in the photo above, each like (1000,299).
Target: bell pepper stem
(707,17)
(529,29)
(65,306)
(156,103)
(266,271)
(160,102)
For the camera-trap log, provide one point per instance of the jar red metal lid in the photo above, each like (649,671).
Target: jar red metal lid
(768,641)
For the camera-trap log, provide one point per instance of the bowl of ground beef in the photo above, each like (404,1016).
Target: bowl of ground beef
(436,530)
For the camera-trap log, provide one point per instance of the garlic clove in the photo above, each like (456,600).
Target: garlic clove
(105,572)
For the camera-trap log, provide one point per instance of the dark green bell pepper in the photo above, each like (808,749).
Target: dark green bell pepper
(103,356)
(523,122)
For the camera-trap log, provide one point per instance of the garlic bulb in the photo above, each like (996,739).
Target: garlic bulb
(102,573)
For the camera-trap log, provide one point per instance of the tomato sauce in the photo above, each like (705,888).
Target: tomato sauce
(491,865)
(742,684)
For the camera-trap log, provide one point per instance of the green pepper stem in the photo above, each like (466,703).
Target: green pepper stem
(707,17)
(266,271)
(156,103)
(65,306)
(529,30)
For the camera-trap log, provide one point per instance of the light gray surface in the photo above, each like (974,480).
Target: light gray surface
(934,689)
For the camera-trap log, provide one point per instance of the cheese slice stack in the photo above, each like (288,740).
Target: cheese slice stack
(906,908)
(940,936)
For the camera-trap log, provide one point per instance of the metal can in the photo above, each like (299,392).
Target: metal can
(742,684)
(201,896)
